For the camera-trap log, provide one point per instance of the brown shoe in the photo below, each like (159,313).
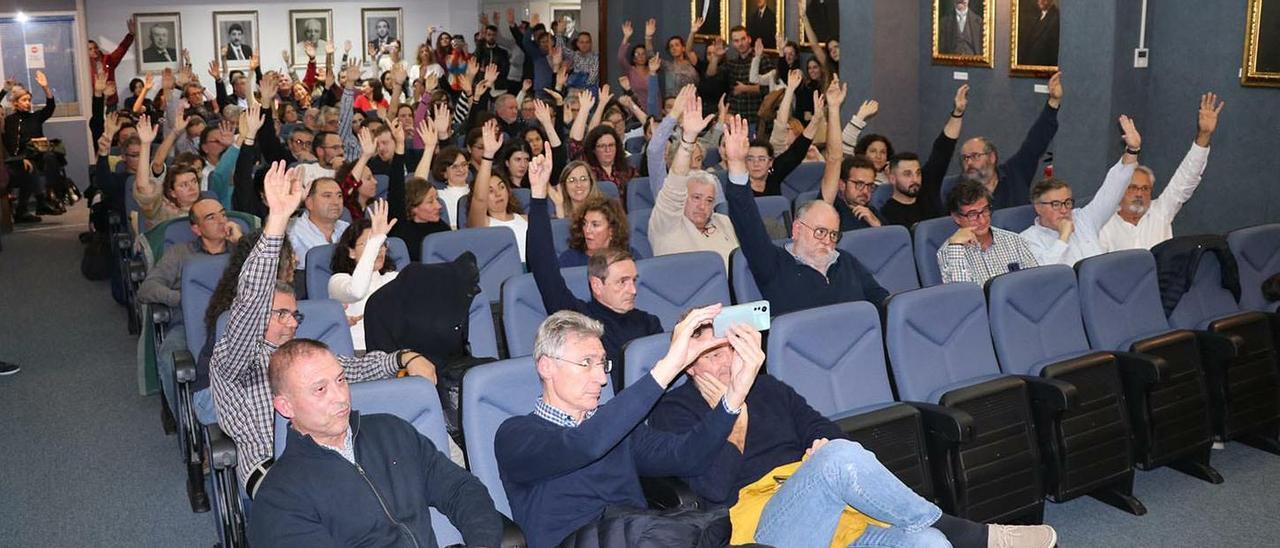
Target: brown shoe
(1021,536)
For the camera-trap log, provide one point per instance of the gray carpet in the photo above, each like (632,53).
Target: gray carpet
(85,462)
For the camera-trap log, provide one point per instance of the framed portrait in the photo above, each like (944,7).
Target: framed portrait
(715,19)
(380,28)
(962,32)
(1262,45)
(571,14)
(159,41)
(1033,38)
(235,37)
(821,18)
(309,27)
(763,19)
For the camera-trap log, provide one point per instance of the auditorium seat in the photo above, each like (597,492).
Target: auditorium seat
(494,247)
(671,284)
(609,189)
(639,195)
(1014,219)
(886,251)
(638,222)
(523,311)
(880,196)
(926,238)
(640,355)
(804,198)
(773,209)
(745,289)
(983,444)
(320,261)
(1038,334)
(1257,252)
(806,176)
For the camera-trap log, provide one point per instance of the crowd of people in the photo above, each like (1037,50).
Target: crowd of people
(353,154)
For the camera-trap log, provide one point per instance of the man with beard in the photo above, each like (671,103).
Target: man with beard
(489,52)
(917,191)
(851,194)
(1141,222)
(236,49)
(1010,181)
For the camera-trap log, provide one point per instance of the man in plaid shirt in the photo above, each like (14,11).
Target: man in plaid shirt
(263,317)
(743,97)
(978,251)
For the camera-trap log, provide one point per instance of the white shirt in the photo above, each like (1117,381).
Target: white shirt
(353,290)
(1156,225)
(450,195)
(961,16)
(519,225)
(671,232)
(304,235)
(1083,243)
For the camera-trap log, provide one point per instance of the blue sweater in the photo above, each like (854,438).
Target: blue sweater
(314,497)
(780,427)
(1017,174)
(559,479)
(787,283)
(619,329)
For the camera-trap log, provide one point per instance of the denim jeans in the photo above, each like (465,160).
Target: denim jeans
(805,510)
(202,400)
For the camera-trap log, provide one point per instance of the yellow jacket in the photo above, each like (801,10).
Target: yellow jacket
(745,515)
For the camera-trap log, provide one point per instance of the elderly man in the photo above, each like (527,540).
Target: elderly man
(778,427)
(1009,181)
(1141,222)
(507,110)
(214,236)
(321,223)
(160,50)
(683,217)
(573,466)
(264,316)
(351,480)
(611,273)
(810,271)
(977,251)
(1062,234)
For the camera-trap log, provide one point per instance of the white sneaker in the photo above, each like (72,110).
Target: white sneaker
(1021,536)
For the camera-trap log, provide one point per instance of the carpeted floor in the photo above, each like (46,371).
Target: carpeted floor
(85,462)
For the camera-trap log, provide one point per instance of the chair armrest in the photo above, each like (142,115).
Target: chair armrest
(1145,367)
(160,314)
(222,451)
(874,418)
(668,493)
(512,535)
(949,424)
(1059,395)
(1225,345)
(137,270)
(184,367)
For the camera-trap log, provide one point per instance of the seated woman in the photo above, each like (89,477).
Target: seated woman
(491,200)
(421,216)
(359,187)
(598,225)
(577,184)
(450,167)
(360,267)
(513,160)
(877,148)
(173,197)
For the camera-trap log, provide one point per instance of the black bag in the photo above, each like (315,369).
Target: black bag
(648,528)
(97,263)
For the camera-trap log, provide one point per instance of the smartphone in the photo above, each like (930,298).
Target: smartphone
(754,314)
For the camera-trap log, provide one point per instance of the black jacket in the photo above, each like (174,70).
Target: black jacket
(1178,259)
(21,127)
(427,309)
(315,497)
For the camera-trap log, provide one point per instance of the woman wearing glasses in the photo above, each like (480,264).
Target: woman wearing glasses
(450,167)
(577,185)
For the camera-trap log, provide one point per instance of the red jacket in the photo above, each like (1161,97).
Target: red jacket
(109,62)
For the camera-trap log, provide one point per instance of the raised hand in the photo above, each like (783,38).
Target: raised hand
(737,138)
(427,134)
(351,72)
(146,130)
(42,80)
(492,138)
(255,120)
(132,25)
(180,121)
(99,82)
(868,109)
(254,62)
(961,102)
(682,99)
(542,111)
(441,119)
(836,92)
(491,74)
(626,30)
(282,190)
(104,143)
(819,106)
(1132,139)
(328,48)
(606,95)
(397,129)
(624,82)
(367,147)
(655,63)
(540,172)
(1207,119)
(794,79)
(228,127)
(697,24)
(692,122)
(650,27)
(380,210)
(722,109)
(186,57)
(309,49)
(759,48)
(215,70)
(586,101)
(1055,90)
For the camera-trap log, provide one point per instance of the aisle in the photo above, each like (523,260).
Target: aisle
(83,461)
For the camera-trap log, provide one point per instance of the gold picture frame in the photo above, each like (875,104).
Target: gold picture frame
(1261,63)
(802,29)
(695,11)
(779,8)
(1033,39)
(952,45)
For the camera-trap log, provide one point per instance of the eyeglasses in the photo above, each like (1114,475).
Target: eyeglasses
(463,165)
(973,156)
(758,158)
(586,363)
(301,142)
(282,313)
(823,233)
(577,180)
(859,185)
(973,216)
(1059,204)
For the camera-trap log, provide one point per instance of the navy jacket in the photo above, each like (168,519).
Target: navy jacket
(786,282)
(1018,173)
(314,497)
(559,479)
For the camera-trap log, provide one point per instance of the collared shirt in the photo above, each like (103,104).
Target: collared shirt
(1156,225)
(557,417)
(961,16)
(971,263)
(1083,243)
(738,71)
(348,449)
(304,235)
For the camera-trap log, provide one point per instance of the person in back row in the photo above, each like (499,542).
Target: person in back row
(347,479)
(611,274)
(1140,222)
(320,224)
(1062,234)
(917,189)
(810,271)
(977,251)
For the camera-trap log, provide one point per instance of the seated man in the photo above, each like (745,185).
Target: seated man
(849,191)
(574,464)
(810,272)
(320,224)
(1009,182)
(215,235)
(238,368)
(1141,222)
(1062,234)
(611,273)
(778,427)
(977,251)
(917,190)
(683,217)
(379,474)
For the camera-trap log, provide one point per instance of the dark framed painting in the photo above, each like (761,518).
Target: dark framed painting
(1033,37)
(763,19)
(1261,64)
(820,21)
(159,43)
(962,32)
(381,28)
(235,37)
(715,19)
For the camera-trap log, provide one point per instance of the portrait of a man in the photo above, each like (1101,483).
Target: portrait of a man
(1037,30)
(715,14)
(236,35)
(159,41)
(960,30)
(824,18)
(381,30)
(761,20)
(309,28)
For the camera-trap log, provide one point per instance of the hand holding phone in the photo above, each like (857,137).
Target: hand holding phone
(754,314)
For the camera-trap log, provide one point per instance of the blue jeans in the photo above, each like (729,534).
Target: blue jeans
(202,401)
(805,510)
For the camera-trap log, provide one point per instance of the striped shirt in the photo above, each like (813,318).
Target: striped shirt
(971,263)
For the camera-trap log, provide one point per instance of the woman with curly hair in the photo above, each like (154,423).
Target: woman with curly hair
(602,150)
(599,224)
(878,149)
(360,267)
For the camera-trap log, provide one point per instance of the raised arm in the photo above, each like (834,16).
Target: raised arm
(1107,199)
(579,129)
(350,288)
(162,152)
(1027,158)
(1187,177)
(780,129)
(478,215)
(596,117)
(854,128)
(148,192)
(747,223)
(540,251)
(831,175)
